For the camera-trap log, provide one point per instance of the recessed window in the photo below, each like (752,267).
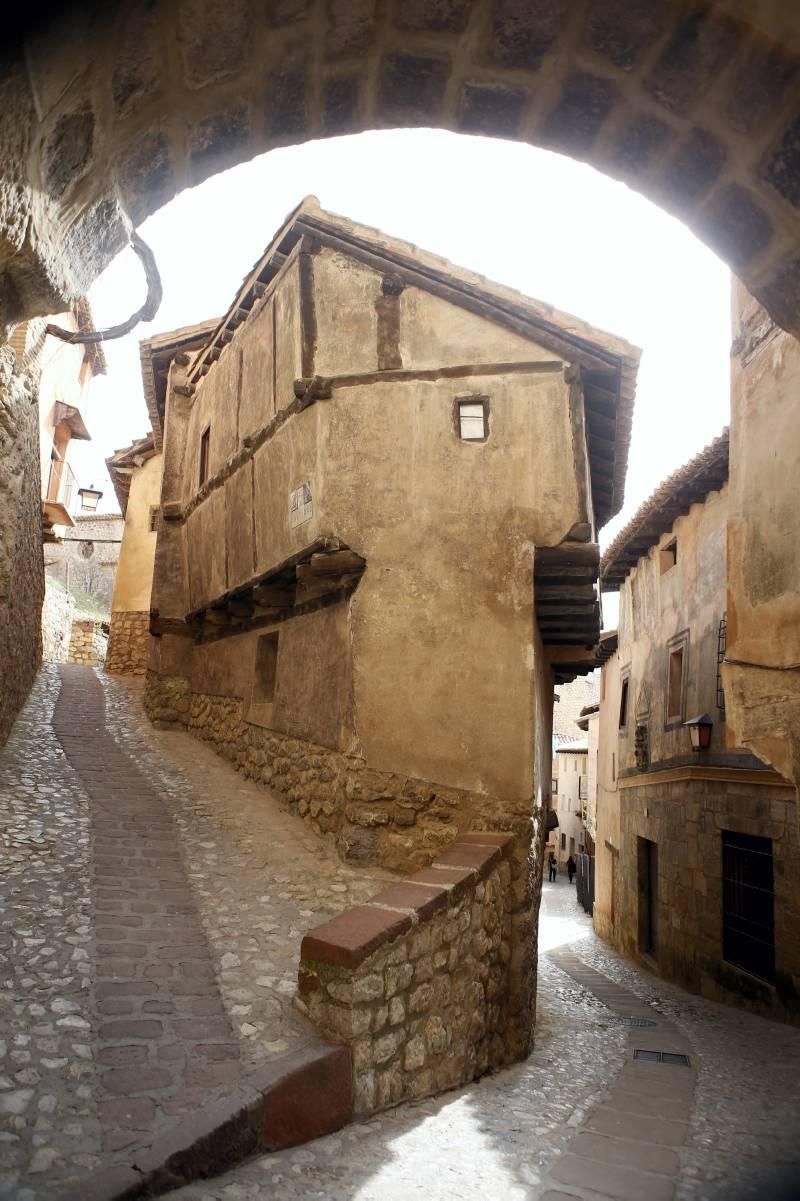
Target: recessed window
(205,453)
(473,419)
(563,842)
(623,704)
(668,556)
(266,669)
(675,685)
(748,903)
(155,518)
(554,788)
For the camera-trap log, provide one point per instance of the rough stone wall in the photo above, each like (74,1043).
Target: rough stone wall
(400,822)
(691,105)
(57,613)
(128,644)
(21,562)
(88,643)
(416,982)
(685,818)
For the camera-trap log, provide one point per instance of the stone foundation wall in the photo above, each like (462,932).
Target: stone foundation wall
(57,613)
(373,817)
(21,561)
(128,643)
(685,818)
(88,644)
(417,981)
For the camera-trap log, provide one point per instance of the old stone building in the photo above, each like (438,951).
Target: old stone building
(697,839)
(135,472)
(357,635)
(85,559)
(376,474)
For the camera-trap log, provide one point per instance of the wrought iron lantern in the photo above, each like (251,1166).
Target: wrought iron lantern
(90,499)
(700,731)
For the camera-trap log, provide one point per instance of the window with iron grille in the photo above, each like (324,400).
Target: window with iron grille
(748,904)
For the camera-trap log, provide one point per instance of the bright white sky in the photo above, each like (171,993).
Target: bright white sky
(546,225)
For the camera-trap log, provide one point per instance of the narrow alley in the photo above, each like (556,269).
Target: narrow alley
(151,916)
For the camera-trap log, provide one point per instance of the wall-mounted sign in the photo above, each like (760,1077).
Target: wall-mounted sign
(301,504)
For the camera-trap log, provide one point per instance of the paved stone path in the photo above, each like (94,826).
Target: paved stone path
(230,873)
(151,911)
(163,1039)
(579,1119)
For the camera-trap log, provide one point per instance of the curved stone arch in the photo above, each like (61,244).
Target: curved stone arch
(687,104)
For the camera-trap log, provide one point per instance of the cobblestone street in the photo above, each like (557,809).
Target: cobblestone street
(152,904)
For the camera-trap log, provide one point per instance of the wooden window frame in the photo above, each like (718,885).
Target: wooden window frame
(483,401)
(678,643)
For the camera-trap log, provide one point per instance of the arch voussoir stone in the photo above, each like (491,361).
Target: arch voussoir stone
(685,103)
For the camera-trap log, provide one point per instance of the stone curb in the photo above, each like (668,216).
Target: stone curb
(292,1099)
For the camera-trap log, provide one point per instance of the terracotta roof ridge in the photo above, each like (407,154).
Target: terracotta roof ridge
(695,479)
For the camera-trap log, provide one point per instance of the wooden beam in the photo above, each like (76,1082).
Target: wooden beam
(573,553)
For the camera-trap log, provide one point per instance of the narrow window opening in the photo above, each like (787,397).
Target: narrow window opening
(647,864)
(675,686)
(563,842)
(472,421)
(623,705)
(155,518)
(668,556)
(205,449)
(266,669)
(554,788)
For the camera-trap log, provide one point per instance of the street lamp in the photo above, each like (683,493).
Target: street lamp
(700,731)
(90,499)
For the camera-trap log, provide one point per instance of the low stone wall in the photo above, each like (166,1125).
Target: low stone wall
(128,643)
(57,613)
(400,822)
(88,643)
(417,981)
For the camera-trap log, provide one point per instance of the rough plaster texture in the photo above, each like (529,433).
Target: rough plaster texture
(763,674)
(684,800)
(21,564)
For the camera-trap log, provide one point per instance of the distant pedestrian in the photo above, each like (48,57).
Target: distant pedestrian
(572,867)
(552,867)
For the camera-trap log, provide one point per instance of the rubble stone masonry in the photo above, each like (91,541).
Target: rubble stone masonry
(21,562)
(417,981)
(400,822)
(128,643)
(87,644)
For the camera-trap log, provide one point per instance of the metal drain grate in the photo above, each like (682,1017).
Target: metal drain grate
(662,1057)
(642,1022)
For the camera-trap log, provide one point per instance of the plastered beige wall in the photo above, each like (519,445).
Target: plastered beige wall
(134,579)
(653,608)
(440,628)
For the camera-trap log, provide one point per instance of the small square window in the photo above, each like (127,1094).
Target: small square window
(668,556)
(205,453)
(472,420)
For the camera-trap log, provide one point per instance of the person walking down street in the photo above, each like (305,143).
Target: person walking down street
(552,866)
(572,867)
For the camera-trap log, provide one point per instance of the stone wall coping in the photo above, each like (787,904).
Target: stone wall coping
(350,937)
(296,1097)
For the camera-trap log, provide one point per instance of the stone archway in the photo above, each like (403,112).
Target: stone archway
(695,105)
